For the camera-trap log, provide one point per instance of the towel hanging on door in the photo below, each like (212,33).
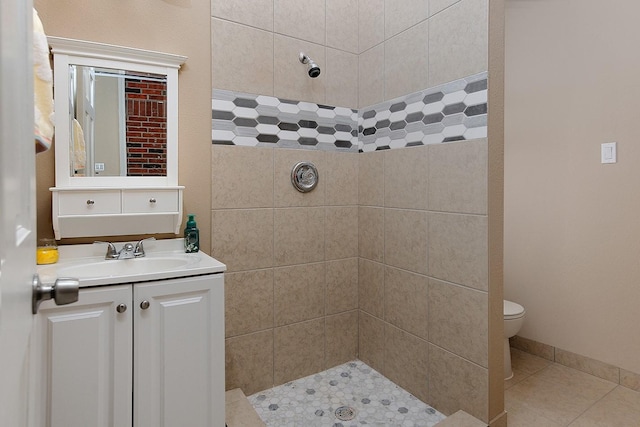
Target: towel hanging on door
(42,87)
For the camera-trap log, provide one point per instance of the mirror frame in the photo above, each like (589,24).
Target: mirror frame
(68,52)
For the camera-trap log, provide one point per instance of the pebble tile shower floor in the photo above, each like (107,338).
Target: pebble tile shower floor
(348,395)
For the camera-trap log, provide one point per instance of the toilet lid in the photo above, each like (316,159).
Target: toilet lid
(512,310)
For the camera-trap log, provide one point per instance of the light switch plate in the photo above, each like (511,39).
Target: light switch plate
(608,153)
(99,167)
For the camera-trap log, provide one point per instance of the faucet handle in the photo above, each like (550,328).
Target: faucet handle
(139,250)
(112,253)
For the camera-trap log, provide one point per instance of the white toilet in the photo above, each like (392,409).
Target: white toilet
(513,319)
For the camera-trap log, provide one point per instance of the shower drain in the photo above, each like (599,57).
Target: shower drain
(345,413)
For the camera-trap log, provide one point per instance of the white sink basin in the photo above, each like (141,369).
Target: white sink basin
(125,267)
(165,259)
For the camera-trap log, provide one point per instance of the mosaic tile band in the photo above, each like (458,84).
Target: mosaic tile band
(258,121)
(454,111)
(450,112)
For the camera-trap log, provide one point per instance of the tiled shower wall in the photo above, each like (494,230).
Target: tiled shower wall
(423,291)
(293,302)
(378,262)
(292,282)
(369,51)
(385,260)
(255,47)
(408,45)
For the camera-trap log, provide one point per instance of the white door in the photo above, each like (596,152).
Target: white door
(17,208)
(179,352)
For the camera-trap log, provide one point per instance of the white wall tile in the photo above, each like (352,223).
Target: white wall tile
(342,24)
(458,41)
(371,76)
(342,78)
(302,19)
(255,13)
(370,23)
(242,58)
(400,15)
(407,61)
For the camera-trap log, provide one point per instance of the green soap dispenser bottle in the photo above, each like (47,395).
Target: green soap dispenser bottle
(191,236)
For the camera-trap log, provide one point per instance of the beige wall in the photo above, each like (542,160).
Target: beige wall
(572,234)
(176,26)
(291,291)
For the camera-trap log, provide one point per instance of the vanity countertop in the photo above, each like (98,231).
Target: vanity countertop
(164,259)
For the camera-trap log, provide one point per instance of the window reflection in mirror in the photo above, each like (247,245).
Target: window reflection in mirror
(118,122)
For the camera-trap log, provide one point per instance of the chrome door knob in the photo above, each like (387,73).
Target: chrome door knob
(121,308)
(144,304)
(63,291)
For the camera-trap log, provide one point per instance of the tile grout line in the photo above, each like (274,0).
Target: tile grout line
(553,363)
(273,260)
(592,405)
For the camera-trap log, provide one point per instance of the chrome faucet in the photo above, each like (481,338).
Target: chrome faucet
(112,253)
(138,252)
(127,251)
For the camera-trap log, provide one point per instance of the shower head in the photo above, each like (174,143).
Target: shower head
(312,68)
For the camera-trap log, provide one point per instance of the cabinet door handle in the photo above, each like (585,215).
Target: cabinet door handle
(90,202)
(121,308)
(152,200)
(144,304)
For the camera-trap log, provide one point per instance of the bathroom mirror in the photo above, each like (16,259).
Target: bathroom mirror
(116,140)
(116,115)
(118,122)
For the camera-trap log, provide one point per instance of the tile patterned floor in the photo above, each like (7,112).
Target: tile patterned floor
(315,400)
(546,394)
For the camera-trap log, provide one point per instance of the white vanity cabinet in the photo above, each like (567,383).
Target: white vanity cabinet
(145,354)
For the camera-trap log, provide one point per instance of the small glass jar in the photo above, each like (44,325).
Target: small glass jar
(46,252)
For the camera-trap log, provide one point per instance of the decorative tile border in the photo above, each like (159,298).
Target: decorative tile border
(453,111)
(259,121)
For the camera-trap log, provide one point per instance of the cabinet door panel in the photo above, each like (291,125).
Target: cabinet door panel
(84,360)
(179,353)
